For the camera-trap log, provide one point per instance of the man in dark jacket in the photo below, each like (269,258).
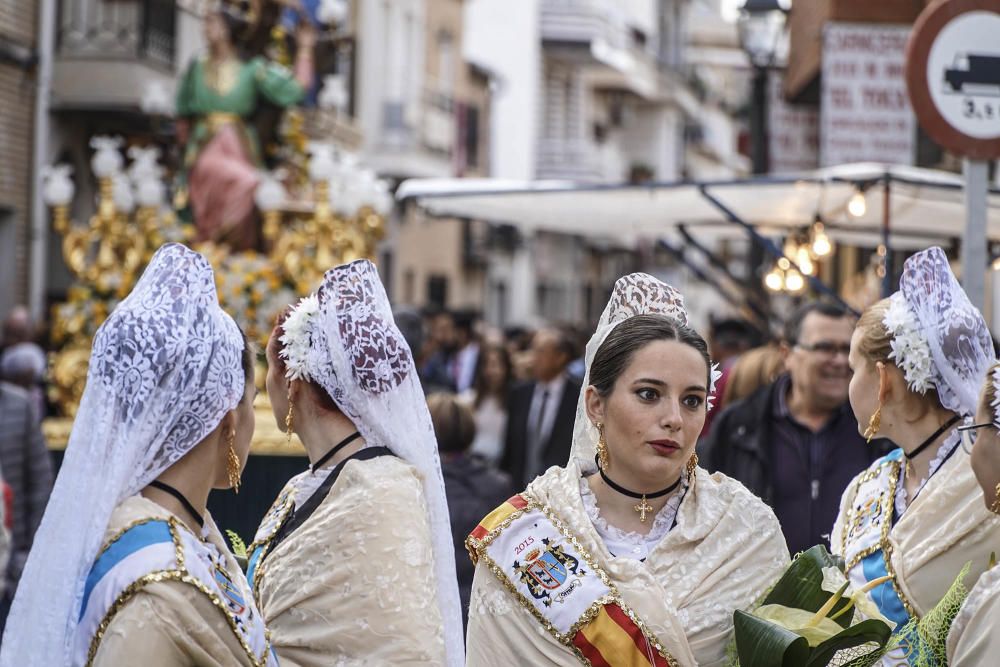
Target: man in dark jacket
(541,413)
(795,443)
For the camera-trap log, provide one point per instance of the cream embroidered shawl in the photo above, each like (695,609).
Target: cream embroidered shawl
(170,623)
(944,527)
(354,584)
(974,640)
(725,551)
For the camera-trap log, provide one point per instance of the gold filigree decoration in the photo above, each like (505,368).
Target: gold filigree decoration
(479,547)
(179,574)
(884,544)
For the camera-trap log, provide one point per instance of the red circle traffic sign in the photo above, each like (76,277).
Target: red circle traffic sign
(953,75)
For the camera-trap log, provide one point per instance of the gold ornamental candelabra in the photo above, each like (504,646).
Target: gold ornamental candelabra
(338,217)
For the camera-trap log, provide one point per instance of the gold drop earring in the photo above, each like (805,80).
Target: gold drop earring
(288,421)
(602,447)
(691,466)
(874,423)
(233,463)
(995,507)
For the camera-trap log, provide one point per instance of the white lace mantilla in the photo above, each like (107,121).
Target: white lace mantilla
(164,369)
(359,356)
(902,500)
(630,544)
(953,329)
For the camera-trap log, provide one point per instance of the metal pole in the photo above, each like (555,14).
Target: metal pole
(759,159)
(39,215)
(974,240)
(887,278)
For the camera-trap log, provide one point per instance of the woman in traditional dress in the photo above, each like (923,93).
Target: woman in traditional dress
(354,563)
(974,639)
(216,101)
(916,515)
(127,566)
(631,554)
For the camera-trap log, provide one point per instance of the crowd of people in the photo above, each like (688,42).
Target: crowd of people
(494,498)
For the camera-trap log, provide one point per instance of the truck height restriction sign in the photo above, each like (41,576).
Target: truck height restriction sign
(953,76)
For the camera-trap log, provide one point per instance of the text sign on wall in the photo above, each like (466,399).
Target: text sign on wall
(793,131)
(865,113)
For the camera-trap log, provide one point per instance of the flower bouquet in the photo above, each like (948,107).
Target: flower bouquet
(811,618)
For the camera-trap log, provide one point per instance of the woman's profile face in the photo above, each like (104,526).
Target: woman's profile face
(246,421)
(985,456)
(864,387)
(653,415)
(275,383)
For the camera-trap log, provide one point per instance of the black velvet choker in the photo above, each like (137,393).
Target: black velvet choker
(166,488)
(336,448)
(643,507)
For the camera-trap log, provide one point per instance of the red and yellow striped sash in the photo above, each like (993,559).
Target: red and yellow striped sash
(607,633)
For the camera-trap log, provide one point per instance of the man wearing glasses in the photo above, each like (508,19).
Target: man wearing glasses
(795,442)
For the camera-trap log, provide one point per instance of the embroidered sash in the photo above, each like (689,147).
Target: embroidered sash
(867,550)
(536,557)
(279,513)
(157,550)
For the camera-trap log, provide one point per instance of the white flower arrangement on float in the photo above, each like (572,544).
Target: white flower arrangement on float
(296,338)
(910,351)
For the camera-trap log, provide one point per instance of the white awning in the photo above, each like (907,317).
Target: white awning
(926,206)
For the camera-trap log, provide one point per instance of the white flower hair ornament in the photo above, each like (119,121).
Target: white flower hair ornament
(716,374)
(910,351)
(297,337)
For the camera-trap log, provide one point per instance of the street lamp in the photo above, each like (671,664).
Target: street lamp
(761,24)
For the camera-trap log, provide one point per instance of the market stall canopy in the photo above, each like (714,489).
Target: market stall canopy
(926,206)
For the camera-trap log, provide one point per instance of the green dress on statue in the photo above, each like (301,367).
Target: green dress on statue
(223,151)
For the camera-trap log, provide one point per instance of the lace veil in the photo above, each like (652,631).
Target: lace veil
(634,294)
(164,369)
(957,338)
(358,355)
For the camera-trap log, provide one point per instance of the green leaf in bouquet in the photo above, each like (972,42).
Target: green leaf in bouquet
(760,643)
(864,632)
(801,586)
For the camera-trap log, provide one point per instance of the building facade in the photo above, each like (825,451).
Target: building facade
(590,91)
(18,94)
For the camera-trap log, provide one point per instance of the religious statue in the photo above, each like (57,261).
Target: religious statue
(217,100)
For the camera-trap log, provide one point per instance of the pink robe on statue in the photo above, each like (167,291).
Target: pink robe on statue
(222,186)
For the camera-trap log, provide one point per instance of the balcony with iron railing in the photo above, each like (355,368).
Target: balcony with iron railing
(426,130)
(605,37)
(567,22)
(118,29)
(568,159)
(108,51)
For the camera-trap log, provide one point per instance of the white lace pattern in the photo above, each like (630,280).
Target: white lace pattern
(359,356)
(629,544)
(955,332)
(634,294)
(164,369)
